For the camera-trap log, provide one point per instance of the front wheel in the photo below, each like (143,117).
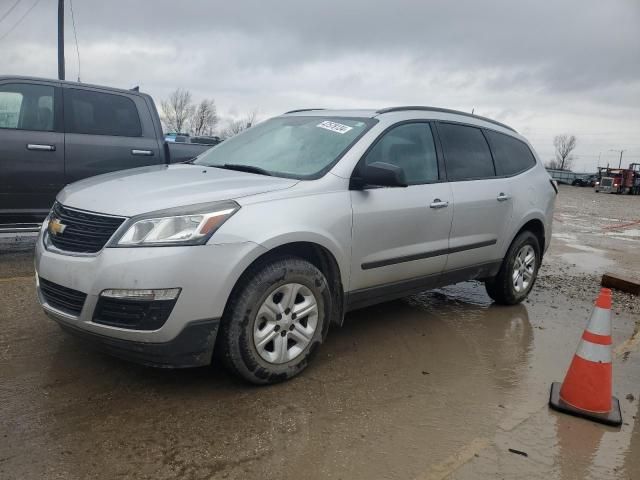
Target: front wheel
(276,318)
(518,271)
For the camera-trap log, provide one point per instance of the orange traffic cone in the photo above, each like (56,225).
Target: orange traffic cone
(587,387)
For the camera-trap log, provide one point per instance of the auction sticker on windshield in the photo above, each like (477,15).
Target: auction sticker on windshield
(334,127)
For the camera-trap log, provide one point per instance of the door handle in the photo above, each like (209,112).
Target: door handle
(437,203)
(502,197)
(143,153)
(41,148)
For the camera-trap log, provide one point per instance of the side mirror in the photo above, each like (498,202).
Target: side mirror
(382,174)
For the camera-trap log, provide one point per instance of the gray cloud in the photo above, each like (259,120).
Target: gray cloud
(545,67)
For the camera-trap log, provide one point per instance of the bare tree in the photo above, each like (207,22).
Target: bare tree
(205,118)
(234,127)
(553,164)
(177,110)
(564,144)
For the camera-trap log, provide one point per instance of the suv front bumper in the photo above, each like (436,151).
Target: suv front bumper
(205,274)
(192,347)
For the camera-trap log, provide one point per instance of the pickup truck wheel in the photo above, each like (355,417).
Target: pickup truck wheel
(518,271)
(275,321)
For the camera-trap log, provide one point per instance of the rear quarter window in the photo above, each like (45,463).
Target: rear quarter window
(511,155)
(97,113)
(466,152)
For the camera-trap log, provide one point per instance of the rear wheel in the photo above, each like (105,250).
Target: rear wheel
(275,320)
(518,271)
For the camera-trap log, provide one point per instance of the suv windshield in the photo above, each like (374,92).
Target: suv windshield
(293,147)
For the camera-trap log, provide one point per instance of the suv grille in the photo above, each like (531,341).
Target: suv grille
(83,232)
(62,298)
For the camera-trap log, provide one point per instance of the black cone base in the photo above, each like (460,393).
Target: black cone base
(613,418)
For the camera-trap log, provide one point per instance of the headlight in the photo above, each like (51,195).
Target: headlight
(178,226)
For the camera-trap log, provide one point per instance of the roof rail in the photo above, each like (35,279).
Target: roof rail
(444,110)
(304,110)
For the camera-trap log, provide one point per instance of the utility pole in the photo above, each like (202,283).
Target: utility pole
(621,152)
(60,39)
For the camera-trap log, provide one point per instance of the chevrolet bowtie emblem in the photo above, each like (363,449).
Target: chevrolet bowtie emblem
(56,227)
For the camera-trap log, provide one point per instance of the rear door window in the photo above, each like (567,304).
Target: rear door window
(411,147)
(27,107)
(97,113)
(466,152)
(511,155)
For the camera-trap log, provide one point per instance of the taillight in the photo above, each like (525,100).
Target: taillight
(554,184)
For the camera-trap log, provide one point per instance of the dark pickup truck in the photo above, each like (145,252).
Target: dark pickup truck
(55,132)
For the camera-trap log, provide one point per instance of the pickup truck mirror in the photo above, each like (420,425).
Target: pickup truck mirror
(382,174)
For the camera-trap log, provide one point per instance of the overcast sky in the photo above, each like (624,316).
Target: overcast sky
(543,67)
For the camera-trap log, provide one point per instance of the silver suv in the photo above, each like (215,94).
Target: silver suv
(261,243)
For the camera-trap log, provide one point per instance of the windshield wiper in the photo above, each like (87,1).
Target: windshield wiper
(244,168)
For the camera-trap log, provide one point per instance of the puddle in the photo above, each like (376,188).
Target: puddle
(630,233)
(587,262)
(585,248)
(565,236)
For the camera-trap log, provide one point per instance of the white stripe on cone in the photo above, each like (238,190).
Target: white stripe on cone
(594,352)
(600,322)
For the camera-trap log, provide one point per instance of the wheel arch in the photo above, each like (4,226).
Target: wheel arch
(315,253)
(536,226)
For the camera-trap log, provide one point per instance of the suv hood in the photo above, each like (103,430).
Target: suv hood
(142,190)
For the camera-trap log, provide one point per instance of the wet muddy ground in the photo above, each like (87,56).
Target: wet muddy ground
(439,385)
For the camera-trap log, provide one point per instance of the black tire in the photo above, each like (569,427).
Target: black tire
(500,288)
(235,340)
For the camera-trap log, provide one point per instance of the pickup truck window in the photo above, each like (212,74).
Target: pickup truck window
(26,107)
(95,113)
(291,147)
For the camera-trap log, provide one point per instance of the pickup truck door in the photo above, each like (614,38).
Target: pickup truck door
(400,236)
(105,132)
(31,149)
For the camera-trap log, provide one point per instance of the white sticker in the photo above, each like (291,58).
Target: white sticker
(334,127)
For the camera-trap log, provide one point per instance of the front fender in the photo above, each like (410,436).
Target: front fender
(324,239)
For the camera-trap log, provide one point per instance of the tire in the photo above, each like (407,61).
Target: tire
(501,288)
(263,308)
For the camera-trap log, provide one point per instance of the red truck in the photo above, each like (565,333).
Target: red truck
(619,180)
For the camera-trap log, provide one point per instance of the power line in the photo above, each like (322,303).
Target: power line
(15,25)
(75,34)
(10,10)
